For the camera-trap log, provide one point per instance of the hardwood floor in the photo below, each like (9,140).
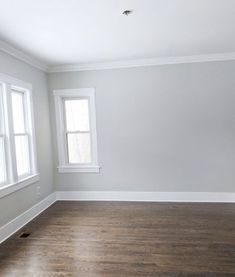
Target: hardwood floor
(124,239)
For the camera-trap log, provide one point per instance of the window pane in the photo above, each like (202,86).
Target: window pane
(79,148)
(2,162)
(77,115)
(18,112)
(22,155)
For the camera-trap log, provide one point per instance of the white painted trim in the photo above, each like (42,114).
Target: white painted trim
(144,62)
(77,92)
(15,82)
(59,98)
(15,182)
(13,226)
(79,169)
(13,51)
(146,196)
(31,130)
(10,188)
(29,59)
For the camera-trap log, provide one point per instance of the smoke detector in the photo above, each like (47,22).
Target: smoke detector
(127,12)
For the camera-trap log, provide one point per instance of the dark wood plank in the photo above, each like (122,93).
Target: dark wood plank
(124,239)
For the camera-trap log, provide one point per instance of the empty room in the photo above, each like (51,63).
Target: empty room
(117,138)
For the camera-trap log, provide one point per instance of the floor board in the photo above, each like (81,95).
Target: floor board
(124,239)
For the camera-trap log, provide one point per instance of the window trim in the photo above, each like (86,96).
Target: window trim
(59,98)
(10,188)
(3,135)
(15,182)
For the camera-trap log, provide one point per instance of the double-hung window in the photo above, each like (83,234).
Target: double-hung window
(76,130)
(17,139)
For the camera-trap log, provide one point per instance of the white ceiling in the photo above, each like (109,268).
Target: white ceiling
(61,32)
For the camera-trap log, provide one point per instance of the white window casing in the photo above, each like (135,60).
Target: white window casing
(9,137)
(69,153)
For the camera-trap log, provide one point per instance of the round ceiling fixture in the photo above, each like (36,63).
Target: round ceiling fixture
(127,12)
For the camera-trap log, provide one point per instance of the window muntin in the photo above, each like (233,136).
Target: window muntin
(76,130)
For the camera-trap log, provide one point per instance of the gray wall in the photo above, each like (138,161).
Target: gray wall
(163,128)
(19,201)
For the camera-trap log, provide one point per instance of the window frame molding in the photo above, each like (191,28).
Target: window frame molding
(60,96)
(15,182)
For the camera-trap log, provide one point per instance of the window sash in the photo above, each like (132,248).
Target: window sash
(64,113)
(29,172)
(67,146)
(66,132)
(26,133)
(24,106)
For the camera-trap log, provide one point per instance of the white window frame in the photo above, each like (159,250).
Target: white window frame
(67,94)
(3,135)
(13,181)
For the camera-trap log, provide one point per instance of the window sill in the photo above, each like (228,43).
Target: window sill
(10,188)
(79,169)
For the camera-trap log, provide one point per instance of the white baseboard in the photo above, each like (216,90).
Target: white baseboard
(13,226)
(146,196)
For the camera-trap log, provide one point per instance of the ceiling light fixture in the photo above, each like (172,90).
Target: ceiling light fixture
(127,12)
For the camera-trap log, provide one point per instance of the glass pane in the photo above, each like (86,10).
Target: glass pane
(77,115)
(22,155)
(18,112)
(2,162)
(1,110)
(79,148)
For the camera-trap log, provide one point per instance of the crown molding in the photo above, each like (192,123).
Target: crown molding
(144,62)
(29,59)
(13,51)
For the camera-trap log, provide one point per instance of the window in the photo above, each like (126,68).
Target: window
(17,139)
(76,130)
